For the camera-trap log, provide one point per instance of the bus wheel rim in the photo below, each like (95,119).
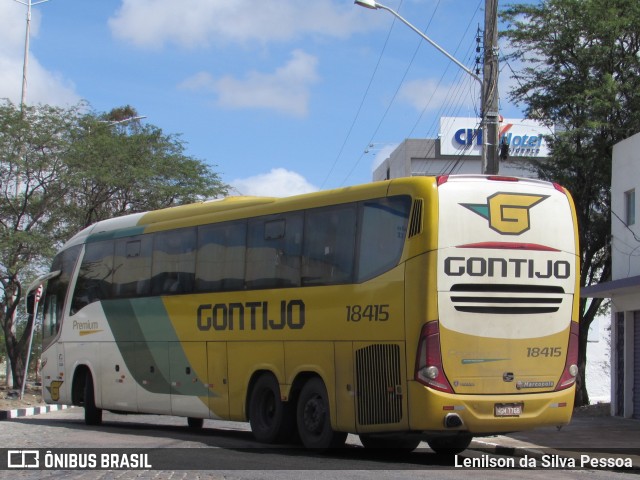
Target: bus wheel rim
(314,415)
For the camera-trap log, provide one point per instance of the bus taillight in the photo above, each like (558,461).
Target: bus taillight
(429,370)
(442,179)
(571,365)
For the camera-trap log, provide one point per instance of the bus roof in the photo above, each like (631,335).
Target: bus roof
(246,206)
(229,208)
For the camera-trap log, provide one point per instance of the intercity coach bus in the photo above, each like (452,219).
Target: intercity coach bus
(425,308)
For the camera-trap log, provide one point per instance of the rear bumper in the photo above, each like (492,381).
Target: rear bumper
(431,410)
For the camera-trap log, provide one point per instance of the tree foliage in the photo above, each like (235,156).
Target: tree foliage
(64,169)
(581,73)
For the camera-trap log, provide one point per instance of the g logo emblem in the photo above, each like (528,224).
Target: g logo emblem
(508,213)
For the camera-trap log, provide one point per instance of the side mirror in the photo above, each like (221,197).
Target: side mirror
(34,289)
(31,302)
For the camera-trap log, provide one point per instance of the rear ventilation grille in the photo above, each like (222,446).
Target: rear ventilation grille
(415,225)
(506,299)
(379,390)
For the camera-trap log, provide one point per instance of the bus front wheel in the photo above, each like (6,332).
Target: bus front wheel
(92,414)
(271,419)
(314,418)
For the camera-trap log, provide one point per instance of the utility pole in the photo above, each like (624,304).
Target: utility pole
(490,115)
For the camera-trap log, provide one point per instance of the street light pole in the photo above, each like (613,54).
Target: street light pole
(23,99)
(489,89)
(29,4)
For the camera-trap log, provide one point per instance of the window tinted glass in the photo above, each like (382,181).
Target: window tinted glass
(94,278)
(221,256)
(132,266)
(274,246)
(329,245)
(384,228)
(174,261)
(56,292)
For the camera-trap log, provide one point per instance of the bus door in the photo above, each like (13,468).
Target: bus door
(57,388)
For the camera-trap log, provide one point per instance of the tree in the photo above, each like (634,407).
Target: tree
(63,169)
(581,73)
(129,167)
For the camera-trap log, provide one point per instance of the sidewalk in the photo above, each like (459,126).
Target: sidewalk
(599,437)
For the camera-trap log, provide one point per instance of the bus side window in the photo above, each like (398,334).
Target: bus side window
(94,278)
(329,245)
(132,266)
(221,256)
(174,261)
(382,235)
(274,247)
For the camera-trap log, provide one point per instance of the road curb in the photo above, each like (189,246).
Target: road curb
(29,411)
(514,451)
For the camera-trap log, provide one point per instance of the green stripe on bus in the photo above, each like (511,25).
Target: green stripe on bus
(112,234)
(145,322)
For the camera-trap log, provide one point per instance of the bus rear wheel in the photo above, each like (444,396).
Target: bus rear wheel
(450,445)
(314,418)
(271,419)
(92,414)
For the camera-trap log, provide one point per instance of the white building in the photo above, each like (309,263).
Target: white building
(624,289)
(458,149)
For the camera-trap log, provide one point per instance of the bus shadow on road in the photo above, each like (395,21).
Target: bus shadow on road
(175,446)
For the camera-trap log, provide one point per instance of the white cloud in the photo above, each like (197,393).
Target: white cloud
(190,23)
(279,182)
(43,86)
(285,90)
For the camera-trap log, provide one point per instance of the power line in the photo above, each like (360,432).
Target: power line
(406,71)
(355,118)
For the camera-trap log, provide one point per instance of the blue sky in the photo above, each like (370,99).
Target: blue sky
(280,96)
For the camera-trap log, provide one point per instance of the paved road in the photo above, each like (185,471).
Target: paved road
(227,450)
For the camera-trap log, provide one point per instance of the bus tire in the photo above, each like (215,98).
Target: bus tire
(195,423)
(314,418)
(92,414)
(271,419)
(451,445)
(393,443)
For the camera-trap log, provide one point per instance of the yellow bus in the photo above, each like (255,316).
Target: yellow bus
(425,308)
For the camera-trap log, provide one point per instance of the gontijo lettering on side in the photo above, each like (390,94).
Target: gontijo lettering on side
(250,316)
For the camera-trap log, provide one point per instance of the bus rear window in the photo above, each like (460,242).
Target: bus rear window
(384,228)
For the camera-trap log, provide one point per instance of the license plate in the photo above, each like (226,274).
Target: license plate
(508,409)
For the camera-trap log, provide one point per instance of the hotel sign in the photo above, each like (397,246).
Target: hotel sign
(463,136)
